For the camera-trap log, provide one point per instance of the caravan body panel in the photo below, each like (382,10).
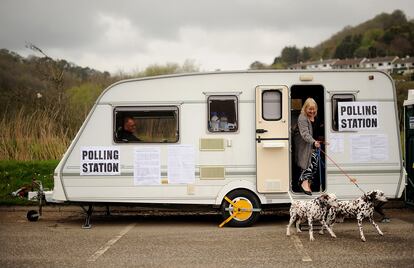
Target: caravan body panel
(233,163)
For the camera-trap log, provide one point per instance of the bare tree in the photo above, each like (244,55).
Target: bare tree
(49,68)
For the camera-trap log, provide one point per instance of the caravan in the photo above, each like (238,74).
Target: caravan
(224,139)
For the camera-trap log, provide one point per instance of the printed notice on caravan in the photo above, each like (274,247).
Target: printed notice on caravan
(99,160)
(147,166)
(181,164)
(358,116)
(336,143)
(369,148)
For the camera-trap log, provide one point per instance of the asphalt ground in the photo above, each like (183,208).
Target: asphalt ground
(188,239)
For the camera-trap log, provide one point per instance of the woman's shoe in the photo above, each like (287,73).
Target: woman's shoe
(307,192)
(303,189)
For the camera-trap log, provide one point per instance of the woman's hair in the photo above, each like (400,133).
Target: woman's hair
(309,102)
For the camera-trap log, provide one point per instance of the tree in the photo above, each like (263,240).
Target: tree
(290,55)
(257,65)
(396,18)
(156,69)
(189,66)
(305,54)
(169,68)
(278,63)
(361,52)
(347,47)
(50,69)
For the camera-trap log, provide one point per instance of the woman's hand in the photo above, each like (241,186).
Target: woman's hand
(317,144)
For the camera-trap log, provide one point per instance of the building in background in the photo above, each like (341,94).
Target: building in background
(383,63)
(349,63)
(388,64)
(404,65)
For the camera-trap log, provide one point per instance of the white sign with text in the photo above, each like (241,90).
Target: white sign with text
(354,116)
(100,160)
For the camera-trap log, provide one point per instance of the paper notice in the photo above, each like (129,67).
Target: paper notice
(336,143)
(360,148)
(181,164)
(147,166)
(379,148)
(369,148)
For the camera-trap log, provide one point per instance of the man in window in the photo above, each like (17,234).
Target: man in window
(127,132)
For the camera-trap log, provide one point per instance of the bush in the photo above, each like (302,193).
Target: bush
(15,174)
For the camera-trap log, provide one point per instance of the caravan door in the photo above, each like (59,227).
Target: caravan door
(272,139)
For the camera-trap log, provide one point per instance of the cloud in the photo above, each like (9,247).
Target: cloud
(132,34)
(117,35)
(49,24)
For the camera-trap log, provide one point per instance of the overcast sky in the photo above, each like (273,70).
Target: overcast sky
(129,35)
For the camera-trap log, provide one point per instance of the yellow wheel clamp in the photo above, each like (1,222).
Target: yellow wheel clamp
(241,209)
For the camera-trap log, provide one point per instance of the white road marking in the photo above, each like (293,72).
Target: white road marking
(299,247)
(111,242)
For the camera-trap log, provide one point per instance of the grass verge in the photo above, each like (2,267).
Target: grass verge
(15,174)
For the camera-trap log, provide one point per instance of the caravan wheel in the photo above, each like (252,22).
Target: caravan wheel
(244,200)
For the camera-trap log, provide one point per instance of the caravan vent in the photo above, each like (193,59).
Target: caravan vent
(212,173)
(211,144)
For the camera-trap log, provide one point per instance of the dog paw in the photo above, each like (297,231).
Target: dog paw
(363,239)
(298,231)
(334,236)
(381,233)
(321,232)
(311,239)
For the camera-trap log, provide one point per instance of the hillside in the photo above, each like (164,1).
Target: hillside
(384,35)
(43,103)
(22,79)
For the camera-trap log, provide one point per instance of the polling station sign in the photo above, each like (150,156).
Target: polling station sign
(358,116)
(99,160)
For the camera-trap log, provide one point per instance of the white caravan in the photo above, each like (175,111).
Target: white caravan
(225,139)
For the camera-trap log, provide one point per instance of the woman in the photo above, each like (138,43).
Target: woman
(305,142)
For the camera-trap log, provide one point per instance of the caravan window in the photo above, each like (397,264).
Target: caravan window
(335,100)
(222,113)
(146,124)
(272,105)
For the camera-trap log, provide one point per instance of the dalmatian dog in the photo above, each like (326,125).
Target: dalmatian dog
(313,210)
(360,208)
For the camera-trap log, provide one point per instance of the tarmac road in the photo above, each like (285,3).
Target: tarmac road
(194,240)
